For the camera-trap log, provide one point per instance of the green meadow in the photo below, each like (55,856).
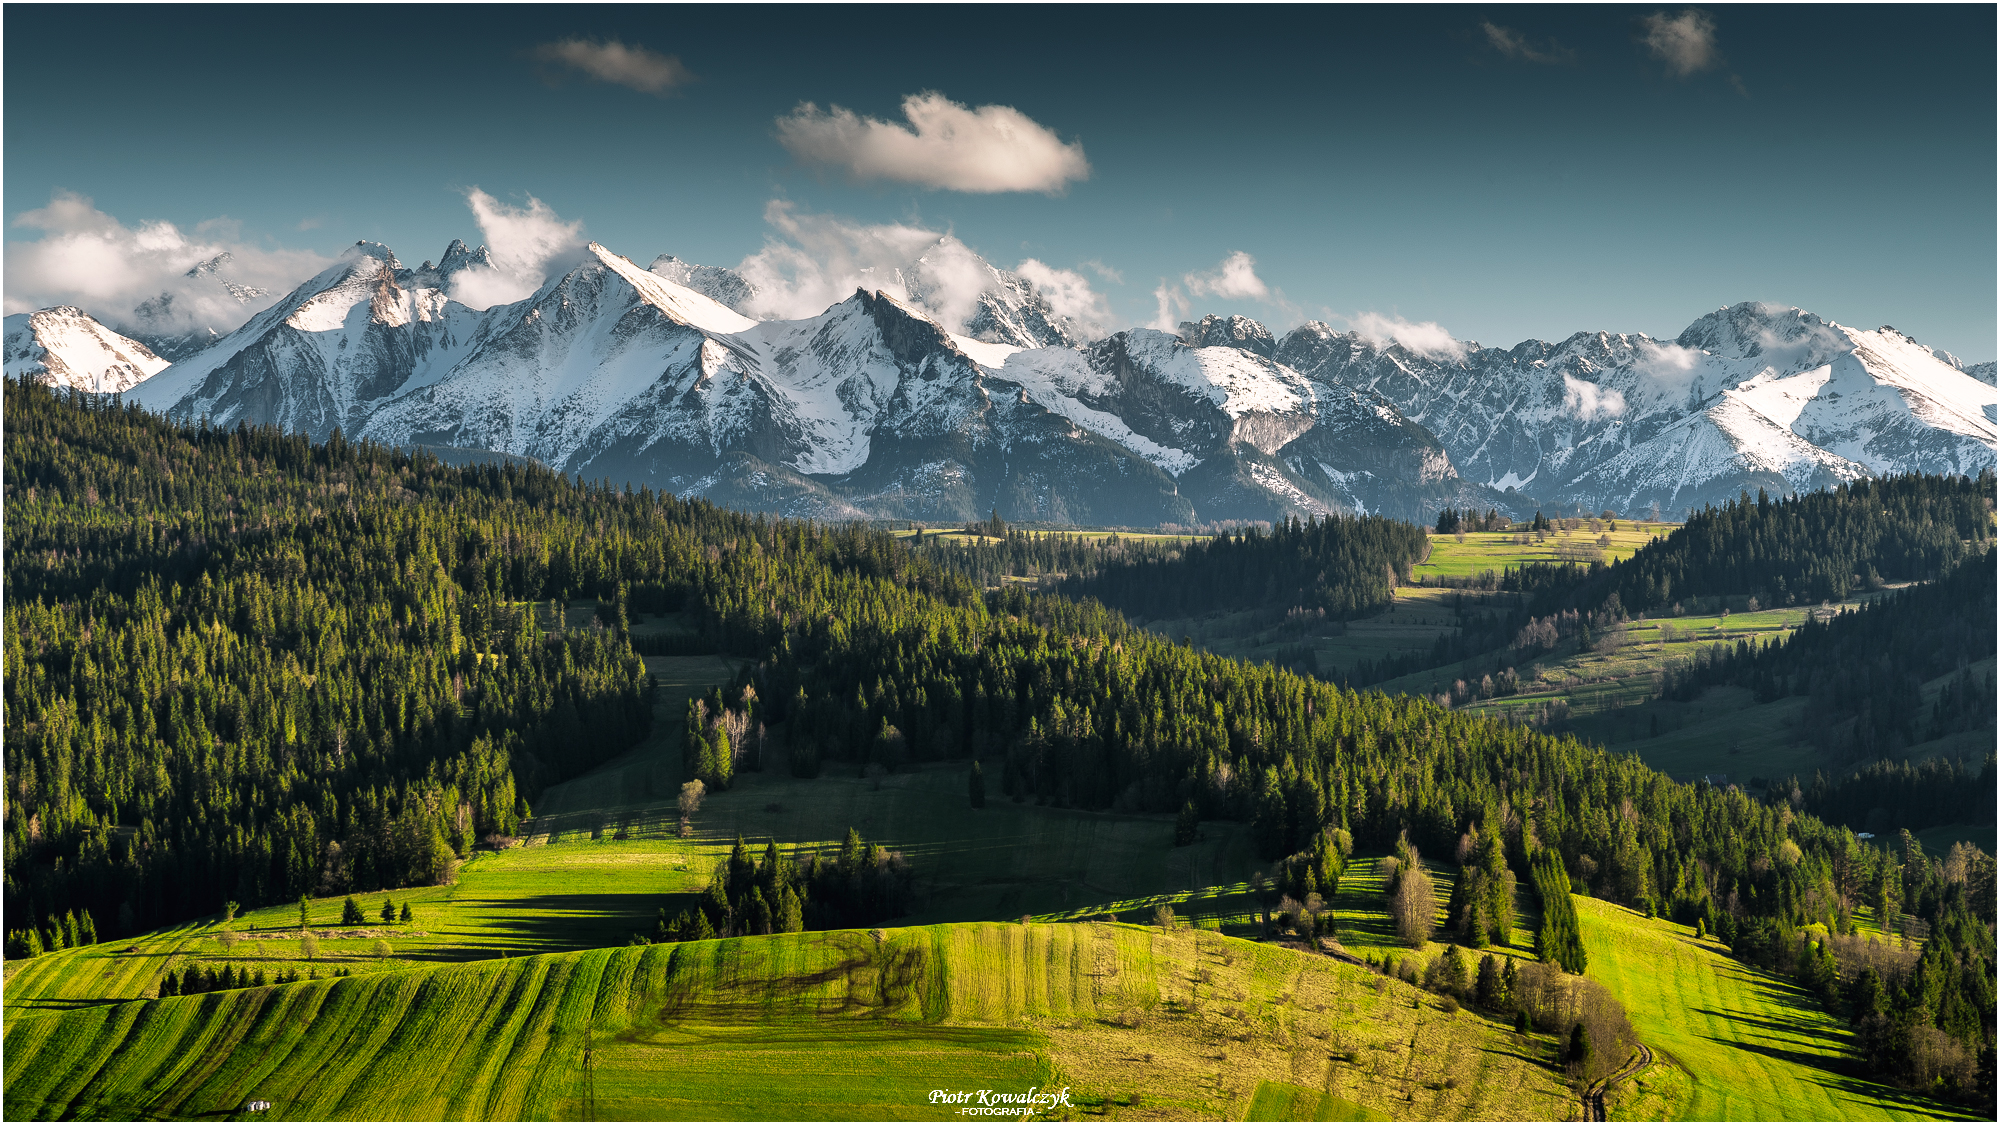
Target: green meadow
(1453,556)
(1733,1043)
(1134,1021)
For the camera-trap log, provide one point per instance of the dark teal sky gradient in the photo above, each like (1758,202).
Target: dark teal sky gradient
(1370,159)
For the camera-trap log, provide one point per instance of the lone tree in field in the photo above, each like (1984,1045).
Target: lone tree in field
(350,913)
(1412,896)
(308,945)
(975,786)
(305,910)
(381,950)
(691,794)
(407,916)
(388,912)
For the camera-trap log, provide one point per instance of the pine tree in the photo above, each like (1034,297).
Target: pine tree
(305,912)
(791,914)
(1579,1047)
(1187,827)
(388,912)
(350,913)
(408,917)
(1486,990)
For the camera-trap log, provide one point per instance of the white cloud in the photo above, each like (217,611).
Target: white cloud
(527,244)
(1589,402)
(1172,306)
(1427,338)
(1514,45)
(1103,271)
(946,145)
(1686,43)
(1069,294)
(92,260)
(811,262)
(1235,277)
(1669,365)
(648,72)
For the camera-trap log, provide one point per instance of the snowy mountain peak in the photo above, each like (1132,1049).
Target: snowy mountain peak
(1785,339)
(1230,332)
(724,286)
(66,347)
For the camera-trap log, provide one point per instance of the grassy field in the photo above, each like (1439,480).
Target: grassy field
(1497,550)
(1747,1046)
(1137,1022)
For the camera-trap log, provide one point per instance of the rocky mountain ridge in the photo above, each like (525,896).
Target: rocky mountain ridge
(879,406)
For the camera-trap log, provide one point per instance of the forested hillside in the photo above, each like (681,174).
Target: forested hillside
(240,663)
(1864,671)
(1805,549)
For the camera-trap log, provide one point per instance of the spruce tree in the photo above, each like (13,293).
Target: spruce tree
(388,912)
(1187,827)
(1579,1047)
(408,917)
(350,913)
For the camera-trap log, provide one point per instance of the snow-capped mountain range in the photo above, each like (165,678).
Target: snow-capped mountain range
(914,402)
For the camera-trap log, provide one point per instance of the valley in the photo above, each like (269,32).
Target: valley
(519,868)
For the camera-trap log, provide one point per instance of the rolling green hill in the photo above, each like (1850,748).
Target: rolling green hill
(841,1024)
(1751,1046)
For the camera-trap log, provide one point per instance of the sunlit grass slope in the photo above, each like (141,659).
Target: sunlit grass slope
(1751,1046)
(842,1024)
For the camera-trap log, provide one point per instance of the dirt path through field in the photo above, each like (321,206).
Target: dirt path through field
(1593,1098)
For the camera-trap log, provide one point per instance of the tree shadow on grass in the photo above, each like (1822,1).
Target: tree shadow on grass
(552,923)
(1845,1075)
(1795,1027)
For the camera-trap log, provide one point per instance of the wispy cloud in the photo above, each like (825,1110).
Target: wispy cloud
(993,148)
(1428,338)
(1069,294)
(634,67)
(88,258)
(526,244)
(810,262)
(1590,402)
(1233,278)
(1686,43)
(1514,45)
(1236,276)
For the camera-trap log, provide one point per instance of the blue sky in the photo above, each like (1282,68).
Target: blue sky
(1505,172)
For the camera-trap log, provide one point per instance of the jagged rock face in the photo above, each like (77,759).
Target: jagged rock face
(1230,332)
(65,347)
